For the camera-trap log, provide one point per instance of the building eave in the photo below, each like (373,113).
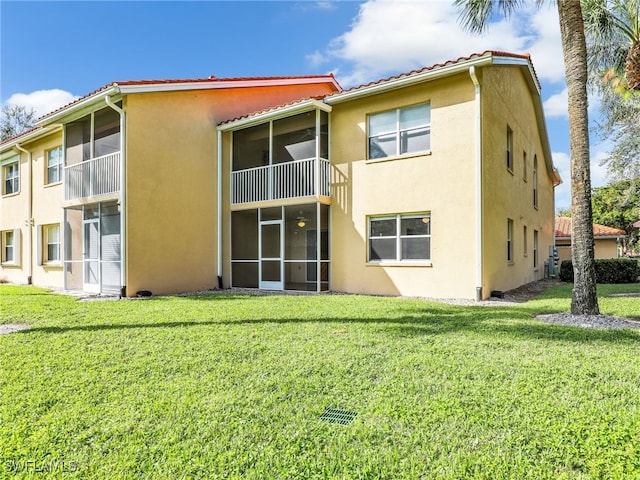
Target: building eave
(274,114)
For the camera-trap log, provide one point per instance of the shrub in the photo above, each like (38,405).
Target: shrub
(614,270)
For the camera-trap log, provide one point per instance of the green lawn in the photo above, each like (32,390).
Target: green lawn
(232,386)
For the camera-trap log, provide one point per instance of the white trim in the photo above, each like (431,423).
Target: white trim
(478,173)
(8,161)
(222,84)
(275,114)
(78,106)
(408,80)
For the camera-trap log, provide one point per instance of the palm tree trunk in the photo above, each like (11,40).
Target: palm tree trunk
(632,67)
(584,300)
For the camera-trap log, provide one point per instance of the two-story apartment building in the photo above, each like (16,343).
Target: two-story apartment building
(438,182)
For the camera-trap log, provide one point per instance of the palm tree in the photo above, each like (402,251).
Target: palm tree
(474,15)
(612,29)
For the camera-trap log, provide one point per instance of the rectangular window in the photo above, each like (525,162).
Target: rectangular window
(526,246)
(10,240)
(534,180)
(400,131)
(535,249)
(51,235)
(509,149)
(509,240)
(524,166)
(54,165)
(11,174)
(400,238)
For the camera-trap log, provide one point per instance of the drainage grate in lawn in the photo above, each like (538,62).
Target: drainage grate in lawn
(336,415)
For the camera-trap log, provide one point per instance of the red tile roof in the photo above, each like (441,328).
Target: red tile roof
(15,137)
(524,56)
(272,109)
(210,79)
(563,229)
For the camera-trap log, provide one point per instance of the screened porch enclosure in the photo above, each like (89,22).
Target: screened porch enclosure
(281,248)
(92,253)
(284,158)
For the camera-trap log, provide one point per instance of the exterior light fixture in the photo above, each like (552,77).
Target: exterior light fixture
(301,222)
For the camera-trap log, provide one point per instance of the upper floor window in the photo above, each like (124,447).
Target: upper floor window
(534,180)
(524,166)
(400,238)
(54,165)
(11,178)
(509,149)
(399,131)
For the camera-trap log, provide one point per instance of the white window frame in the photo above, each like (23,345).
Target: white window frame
(509,240)
(56,167)
(509,149)
(398,237)
(534,180)
(526,241)
(14,180)
(535,249)
(13,247)
(398,132)
(44,242)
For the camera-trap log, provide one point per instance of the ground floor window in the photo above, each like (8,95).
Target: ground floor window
(281,248)
(51,242)
(535,248)
(11,247)
(401,237)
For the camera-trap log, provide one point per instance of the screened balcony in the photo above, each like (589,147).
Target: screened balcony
(92,158)
(92,178)
(282,159)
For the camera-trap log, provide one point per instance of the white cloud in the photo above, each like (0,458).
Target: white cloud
(316,58)
(557,105)
(398,36)
(42,101)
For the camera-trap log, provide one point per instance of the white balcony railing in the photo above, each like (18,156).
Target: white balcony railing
(282,180)
(98,176)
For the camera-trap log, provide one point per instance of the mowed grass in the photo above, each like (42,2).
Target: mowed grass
(232,386)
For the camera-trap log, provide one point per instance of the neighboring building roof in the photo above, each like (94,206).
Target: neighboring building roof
(209,83)
(563,229)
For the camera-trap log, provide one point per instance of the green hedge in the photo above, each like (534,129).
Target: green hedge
(614,270)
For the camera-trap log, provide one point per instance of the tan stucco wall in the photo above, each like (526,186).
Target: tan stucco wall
(172,181)
(603,248)
(506,194)
(47,209)
(441,183)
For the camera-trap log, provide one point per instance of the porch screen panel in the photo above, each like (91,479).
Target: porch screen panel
(294,138)
(106,132)
(110,243)
(251,147)
(244,248)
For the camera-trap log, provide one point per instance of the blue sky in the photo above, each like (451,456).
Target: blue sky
(52,52)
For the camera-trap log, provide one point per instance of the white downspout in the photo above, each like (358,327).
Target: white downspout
(123,197)
(478,148)
(29,221)
(219,213)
